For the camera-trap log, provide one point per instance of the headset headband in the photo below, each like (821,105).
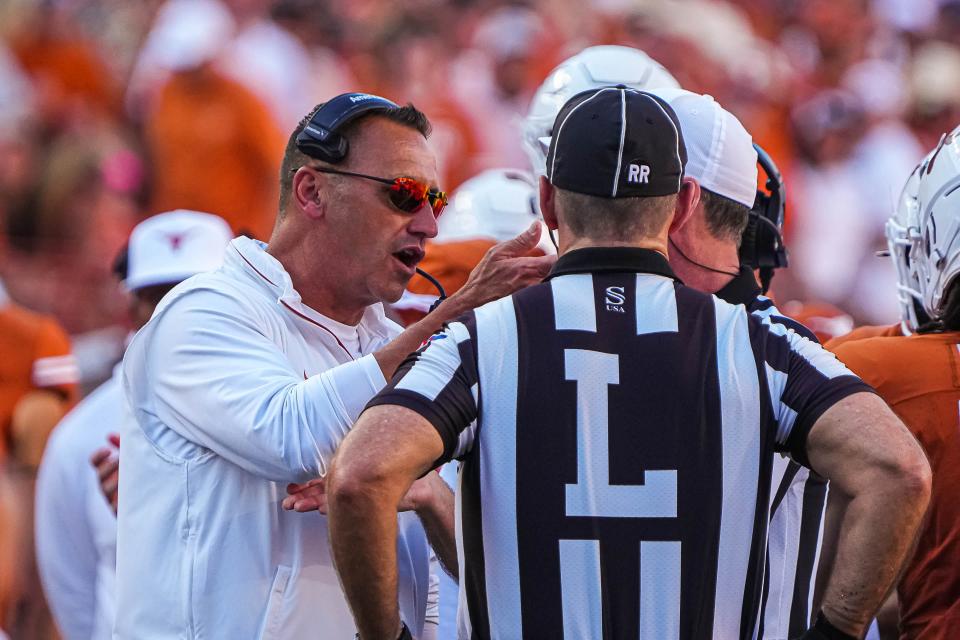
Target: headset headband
(320,138)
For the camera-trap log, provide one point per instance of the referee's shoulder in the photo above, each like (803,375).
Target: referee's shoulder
(694,298)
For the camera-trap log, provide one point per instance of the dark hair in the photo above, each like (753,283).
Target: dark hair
(614,218)
(726,218)
(407,115)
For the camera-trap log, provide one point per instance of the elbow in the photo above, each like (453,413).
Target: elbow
(914,478)
(351,486)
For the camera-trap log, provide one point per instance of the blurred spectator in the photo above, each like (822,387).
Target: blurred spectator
(936,100)
(9,534)
(184,33)
(887,152)
(213,145)
(38,379)
(836,226)
(67,71)
(414,69)
(495,81)
(76,529)
(285,71)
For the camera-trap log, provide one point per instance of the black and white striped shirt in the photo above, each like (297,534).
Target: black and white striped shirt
(797,502)
(617,432)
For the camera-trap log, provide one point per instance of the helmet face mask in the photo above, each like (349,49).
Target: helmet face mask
(902,232)
(592,68)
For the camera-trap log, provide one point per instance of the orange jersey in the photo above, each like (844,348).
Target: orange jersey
(866,331)
(215,148)
(36,355)
(919,377)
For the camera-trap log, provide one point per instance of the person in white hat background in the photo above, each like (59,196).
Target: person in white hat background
(76,528)
(705,254)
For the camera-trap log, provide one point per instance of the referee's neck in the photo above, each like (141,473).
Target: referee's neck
(656,244)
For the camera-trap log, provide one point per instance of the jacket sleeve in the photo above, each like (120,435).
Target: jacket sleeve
(216,379)
(66,552)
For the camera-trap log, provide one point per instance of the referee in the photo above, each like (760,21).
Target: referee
(617,429)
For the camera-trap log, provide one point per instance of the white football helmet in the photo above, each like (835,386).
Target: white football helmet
(937,262)
(497,204)
(592,68)
(903,242)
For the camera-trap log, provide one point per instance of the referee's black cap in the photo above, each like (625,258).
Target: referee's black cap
(617,142)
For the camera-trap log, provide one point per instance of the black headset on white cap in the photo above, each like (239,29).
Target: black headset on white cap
(762,244)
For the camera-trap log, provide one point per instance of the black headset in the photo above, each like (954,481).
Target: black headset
(762,244)
(321,139)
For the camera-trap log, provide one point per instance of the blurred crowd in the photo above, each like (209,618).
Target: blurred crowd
(111,111)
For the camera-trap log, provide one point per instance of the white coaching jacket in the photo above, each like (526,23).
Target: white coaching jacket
(238,388)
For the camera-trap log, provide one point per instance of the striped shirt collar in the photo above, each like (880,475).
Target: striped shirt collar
(612,260)
(743,289)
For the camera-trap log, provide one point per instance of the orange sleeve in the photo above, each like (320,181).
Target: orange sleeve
(861,333)
(54,366)
(862,361)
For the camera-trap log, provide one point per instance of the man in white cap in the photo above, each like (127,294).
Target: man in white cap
(705,254)
(76,530)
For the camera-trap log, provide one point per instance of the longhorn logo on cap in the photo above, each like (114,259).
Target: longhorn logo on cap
(176,239)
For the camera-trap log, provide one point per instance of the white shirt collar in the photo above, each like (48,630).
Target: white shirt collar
(4,297)
(251,257)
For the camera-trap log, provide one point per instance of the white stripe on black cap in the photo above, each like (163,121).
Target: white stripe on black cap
(623,135)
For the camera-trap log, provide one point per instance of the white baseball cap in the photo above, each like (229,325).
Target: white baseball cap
(720,153)
(170,247)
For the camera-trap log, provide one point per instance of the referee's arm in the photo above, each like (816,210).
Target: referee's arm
(869,455)
(422,419)
(389,448)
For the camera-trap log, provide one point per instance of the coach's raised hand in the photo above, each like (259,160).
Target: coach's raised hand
(505,268)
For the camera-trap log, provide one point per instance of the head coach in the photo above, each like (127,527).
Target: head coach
(585,508)
(247,378)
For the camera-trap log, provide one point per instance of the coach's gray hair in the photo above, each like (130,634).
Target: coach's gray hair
(726,218)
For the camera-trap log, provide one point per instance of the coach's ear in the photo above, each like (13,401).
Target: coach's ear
(309,194)
(687,202)
(548,203)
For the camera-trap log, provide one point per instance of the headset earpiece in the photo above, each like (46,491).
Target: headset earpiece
(761,245)
(321,139)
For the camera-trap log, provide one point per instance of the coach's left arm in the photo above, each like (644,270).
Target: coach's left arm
(386,451)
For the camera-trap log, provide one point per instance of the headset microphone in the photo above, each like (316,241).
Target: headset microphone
(442,294)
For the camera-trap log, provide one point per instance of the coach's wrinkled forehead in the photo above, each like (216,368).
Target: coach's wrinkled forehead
(617,142)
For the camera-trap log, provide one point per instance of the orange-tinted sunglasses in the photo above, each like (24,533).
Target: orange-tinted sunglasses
(406,194)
